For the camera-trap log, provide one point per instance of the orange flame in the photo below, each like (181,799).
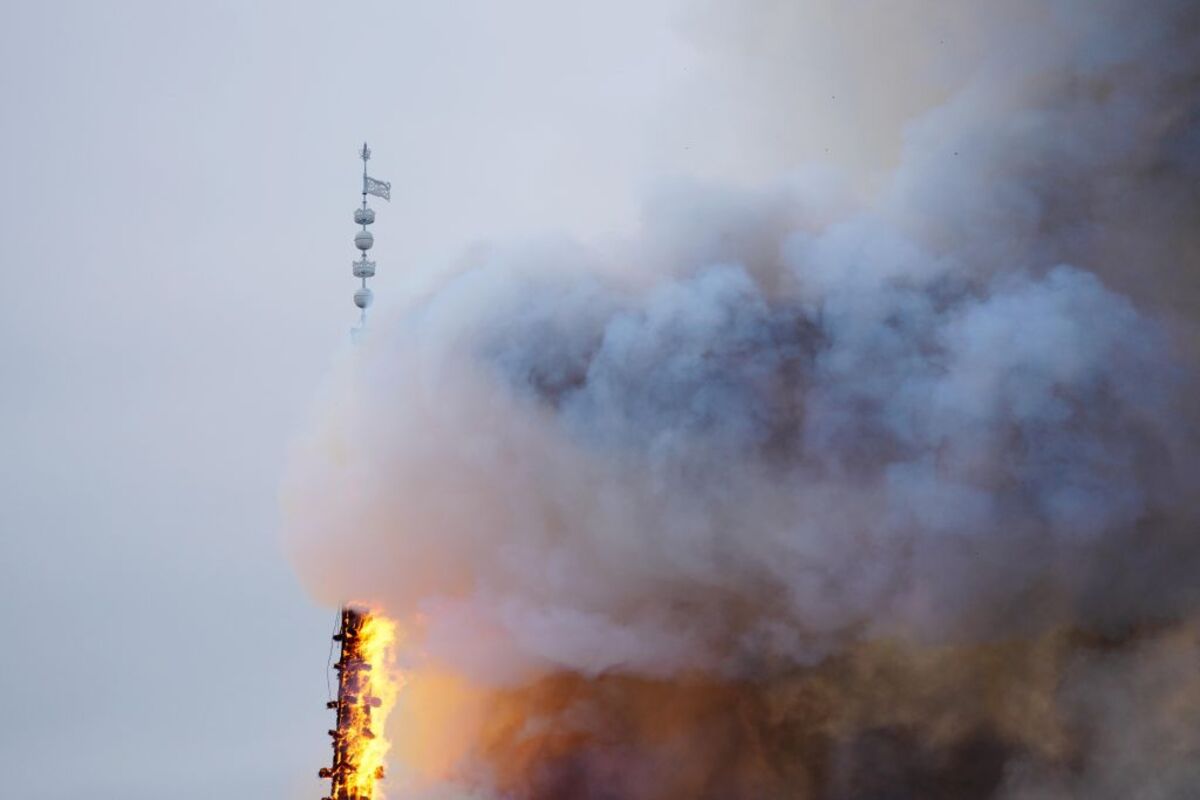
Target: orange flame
(370,754)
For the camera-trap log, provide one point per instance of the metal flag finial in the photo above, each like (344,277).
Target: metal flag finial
(364,240)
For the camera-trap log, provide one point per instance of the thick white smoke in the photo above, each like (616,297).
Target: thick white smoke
(780,423)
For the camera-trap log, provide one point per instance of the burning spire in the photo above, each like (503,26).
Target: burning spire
(366,688)
(366,693)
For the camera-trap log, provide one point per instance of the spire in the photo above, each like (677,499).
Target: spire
(364,240)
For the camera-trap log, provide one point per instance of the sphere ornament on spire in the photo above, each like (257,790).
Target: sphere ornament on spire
(364,240)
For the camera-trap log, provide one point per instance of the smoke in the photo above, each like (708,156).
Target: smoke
(830,487)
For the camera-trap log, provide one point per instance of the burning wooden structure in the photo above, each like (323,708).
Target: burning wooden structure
(358,750)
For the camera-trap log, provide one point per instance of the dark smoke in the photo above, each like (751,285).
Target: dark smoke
(802,496)
(1064,715)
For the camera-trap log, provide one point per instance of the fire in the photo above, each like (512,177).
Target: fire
(367,690)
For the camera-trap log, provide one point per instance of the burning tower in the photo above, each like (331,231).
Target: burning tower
(358,749)
(365,689)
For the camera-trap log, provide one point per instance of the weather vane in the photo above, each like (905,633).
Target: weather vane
(364,240)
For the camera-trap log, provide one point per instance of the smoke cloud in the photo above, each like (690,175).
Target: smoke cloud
(847,484)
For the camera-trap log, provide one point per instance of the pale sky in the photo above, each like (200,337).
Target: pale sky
(178,181)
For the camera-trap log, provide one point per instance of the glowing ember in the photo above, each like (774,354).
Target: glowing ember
(366,693)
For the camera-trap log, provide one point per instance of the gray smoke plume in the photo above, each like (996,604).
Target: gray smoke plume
(798,494)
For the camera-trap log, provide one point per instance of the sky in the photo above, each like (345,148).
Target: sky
(176,188)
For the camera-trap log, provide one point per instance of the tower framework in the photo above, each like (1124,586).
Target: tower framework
(354,705)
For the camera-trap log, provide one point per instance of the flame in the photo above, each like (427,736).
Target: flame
(369,754)
(368,686)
